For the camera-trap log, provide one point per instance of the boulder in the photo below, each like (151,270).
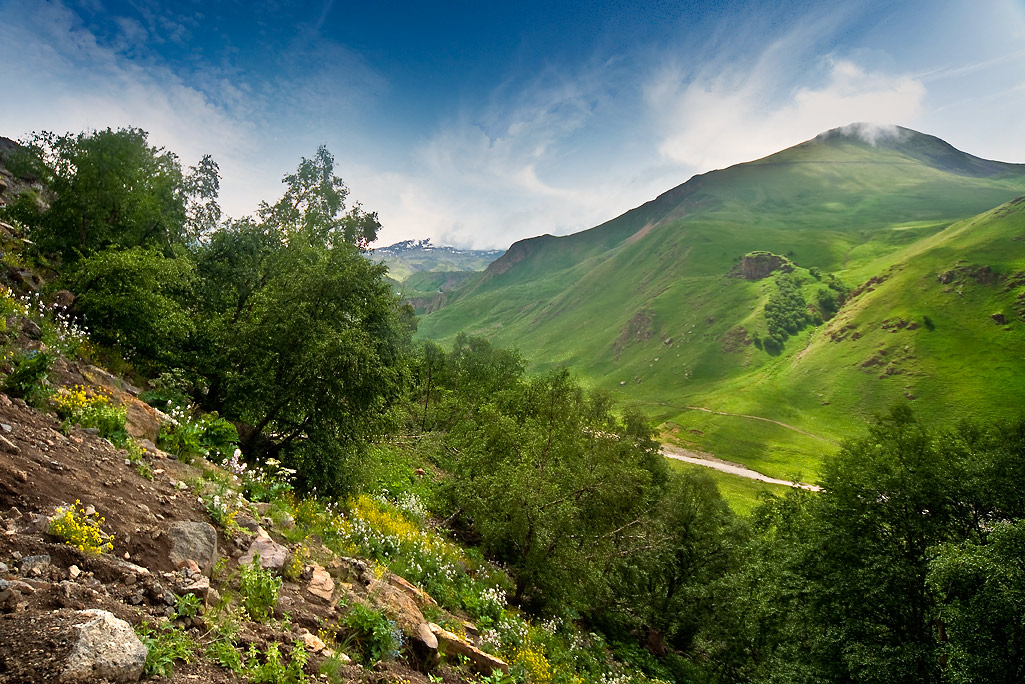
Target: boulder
(143,421)
(104,648)
(321,585)
(193,540)
(452,645)
(421,597)
(34,566)
(397,604)
(272,554)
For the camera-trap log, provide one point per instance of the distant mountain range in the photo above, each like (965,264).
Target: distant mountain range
(920,246)
(412,256)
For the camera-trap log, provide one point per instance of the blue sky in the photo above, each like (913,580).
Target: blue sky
(477,124)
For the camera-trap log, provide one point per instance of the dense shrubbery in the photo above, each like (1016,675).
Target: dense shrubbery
(904,569)
(278,322)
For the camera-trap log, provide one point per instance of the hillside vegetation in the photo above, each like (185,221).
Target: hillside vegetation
(226,460)
(654,306)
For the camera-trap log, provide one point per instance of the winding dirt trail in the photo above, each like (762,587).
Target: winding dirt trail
(709,461)
(766,420)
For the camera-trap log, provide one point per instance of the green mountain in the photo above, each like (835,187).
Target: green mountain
(661,306)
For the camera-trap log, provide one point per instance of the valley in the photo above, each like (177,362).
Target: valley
(919,246)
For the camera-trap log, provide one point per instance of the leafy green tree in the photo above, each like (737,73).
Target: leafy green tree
(134,301)
(109,189)
(303,342)
(670,589)
(313,207)
(556,486)
(982,587)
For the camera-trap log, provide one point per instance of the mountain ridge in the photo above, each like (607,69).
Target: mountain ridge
(642,304)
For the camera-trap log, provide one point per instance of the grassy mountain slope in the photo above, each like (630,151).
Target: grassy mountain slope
(643,304)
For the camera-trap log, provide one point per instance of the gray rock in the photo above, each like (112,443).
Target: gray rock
(34,566)
(193,540)
(104,647)
(248,522)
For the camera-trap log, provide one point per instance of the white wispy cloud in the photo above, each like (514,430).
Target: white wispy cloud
(711,122)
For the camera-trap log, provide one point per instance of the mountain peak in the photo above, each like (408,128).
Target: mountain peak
(921,147)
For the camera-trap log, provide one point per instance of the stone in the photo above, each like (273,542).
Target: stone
(248,522)
(312,642)
(189,565)
(104,647)
(424,643)
(74,571)
(321,585)
(452,645)
(9,446)
(34,566)
(398,605)
(421,597)
(63,299)
(193,540)
(199,587)
(36,522)
(272,554)
(31,328)
(6,428)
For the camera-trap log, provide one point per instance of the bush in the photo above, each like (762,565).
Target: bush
(164,645)
(258,589)
(93,408)
(75,527)
(273,670)
(375,636)
(208,436)
(27,378)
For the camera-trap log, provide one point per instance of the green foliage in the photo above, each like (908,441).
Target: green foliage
(226,654)
(374,636)
(134,299)
(110,188)
(208,436)
(786,312)
(29,374)
(305,343)
(165,645)
(982,586)
(187,606)
(258,589)
(269,667)
(313,207)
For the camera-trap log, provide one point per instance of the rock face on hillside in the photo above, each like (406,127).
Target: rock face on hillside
(758,265)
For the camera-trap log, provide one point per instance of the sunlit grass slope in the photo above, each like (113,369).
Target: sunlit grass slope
(643,305)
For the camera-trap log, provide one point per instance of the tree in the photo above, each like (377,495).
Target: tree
(556,486)
(313,207)
(302,341)
(110,189)
(134,301)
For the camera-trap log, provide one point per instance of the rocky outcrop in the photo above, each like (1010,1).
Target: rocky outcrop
(195,541)
(272,554)
(452,645)
(104,648)
(758,265)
